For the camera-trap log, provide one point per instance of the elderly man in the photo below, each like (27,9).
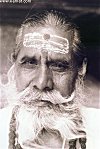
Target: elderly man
(44,90)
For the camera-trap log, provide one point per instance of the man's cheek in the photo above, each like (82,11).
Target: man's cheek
(60,82)
(64,83)
(22,80)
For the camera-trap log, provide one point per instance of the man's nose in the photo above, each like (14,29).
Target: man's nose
(44,81)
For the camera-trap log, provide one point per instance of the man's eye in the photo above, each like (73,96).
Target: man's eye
(59,66)
(29,64)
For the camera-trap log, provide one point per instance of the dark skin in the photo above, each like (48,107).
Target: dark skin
(46,70)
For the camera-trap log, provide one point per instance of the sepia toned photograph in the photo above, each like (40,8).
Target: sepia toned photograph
(49,74)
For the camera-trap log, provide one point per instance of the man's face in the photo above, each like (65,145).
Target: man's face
(46,66)
(47,69)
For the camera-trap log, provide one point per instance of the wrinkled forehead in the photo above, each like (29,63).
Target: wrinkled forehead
(47,38)
(51,31)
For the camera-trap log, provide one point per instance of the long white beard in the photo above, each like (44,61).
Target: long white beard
(44,111)
(66,122)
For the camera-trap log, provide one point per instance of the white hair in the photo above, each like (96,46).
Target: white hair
(44,111)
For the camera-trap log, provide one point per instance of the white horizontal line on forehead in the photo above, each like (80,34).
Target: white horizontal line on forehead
(37,35)
(47,42)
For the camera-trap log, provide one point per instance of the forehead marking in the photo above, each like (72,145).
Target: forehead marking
(46,42)
(46,36)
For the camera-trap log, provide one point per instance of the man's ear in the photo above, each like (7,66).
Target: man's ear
(82,70)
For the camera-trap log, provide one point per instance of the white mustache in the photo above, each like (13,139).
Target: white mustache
(29,96)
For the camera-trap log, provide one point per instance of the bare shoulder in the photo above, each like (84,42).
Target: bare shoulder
(91,114)
(91,117)
(5,116)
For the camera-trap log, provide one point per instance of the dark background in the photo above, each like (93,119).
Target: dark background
(85,13)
